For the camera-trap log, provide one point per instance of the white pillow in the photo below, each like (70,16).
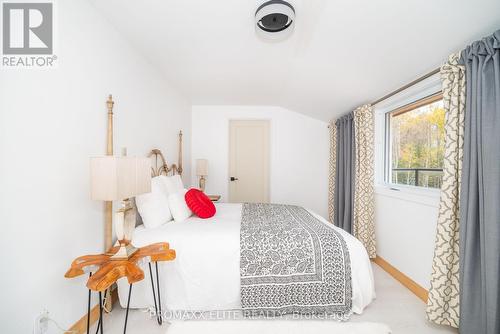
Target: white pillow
(153,207)
(160,182)
(178,207)
(173,184)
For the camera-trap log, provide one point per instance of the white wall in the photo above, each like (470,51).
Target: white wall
(299,152)
(51,121)
(405,231)
(405,218)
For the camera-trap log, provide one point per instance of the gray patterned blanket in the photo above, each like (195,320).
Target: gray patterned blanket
(290,262)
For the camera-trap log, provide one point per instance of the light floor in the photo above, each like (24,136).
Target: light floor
(395,306)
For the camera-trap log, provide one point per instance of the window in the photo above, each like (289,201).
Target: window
(415,143)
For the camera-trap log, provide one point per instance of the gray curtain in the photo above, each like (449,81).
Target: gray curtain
(480,190)
(344,176)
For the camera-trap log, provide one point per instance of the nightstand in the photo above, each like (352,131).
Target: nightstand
(214,198)
(104,272)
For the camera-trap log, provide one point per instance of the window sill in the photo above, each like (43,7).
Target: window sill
(429,197)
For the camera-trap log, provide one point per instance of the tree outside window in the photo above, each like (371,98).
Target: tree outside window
(416,149)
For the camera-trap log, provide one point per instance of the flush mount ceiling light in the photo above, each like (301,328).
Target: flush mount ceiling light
(274,20)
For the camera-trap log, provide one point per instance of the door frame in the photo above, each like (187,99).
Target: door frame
(269,150)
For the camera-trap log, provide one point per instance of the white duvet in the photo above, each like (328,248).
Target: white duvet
(205,276)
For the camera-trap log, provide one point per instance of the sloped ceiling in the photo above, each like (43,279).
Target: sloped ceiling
(341,54)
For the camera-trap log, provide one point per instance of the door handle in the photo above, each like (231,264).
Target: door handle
(232,178)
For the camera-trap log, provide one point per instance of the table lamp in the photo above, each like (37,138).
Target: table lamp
(120,178)
(202,171)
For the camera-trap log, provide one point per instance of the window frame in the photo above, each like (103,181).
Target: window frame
(419,91)
(388,138)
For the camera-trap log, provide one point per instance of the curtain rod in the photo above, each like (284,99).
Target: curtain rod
(408,85)
(414,82)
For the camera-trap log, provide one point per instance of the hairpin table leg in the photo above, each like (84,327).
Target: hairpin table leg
(88,307)
(154,293)
(160,318)
(100,312)
(128,306)
(100,319)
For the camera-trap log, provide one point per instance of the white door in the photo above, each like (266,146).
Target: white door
(249,161)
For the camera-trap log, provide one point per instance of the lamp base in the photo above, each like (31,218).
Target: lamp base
(124,252)
(202,183)
(125,219)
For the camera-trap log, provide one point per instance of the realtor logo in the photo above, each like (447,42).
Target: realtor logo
(27,29)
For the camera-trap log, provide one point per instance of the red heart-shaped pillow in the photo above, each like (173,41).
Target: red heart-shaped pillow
(199,203)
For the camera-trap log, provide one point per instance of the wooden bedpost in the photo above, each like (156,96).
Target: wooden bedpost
(179,163)
(108,227)
(108,205)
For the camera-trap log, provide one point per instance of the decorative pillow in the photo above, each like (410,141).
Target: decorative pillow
(199,203)
(173,184)
(178,207)
(153,207)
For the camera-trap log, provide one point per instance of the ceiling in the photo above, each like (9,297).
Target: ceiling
(341,54)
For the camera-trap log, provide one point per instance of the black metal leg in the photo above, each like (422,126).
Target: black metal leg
(88,308)
(100,312)
(128,306)
(160,316)
(154,293)
(100,318)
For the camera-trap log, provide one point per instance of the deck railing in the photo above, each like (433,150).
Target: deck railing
(423,177)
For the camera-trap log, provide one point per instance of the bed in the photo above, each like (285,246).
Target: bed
(212,270)
(206,273)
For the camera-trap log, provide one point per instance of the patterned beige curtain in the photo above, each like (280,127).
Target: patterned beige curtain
(332,172)
(443,302)
(363,216)
(364,200)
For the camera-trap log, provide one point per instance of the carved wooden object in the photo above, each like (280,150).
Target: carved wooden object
(111,270)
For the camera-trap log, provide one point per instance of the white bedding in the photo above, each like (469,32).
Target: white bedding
(205,276)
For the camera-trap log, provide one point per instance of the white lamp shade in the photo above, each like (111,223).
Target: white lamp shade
(117,178)
(202,167)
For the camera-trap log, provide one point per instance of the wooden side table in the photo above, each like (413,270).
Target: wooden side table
(104,272)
